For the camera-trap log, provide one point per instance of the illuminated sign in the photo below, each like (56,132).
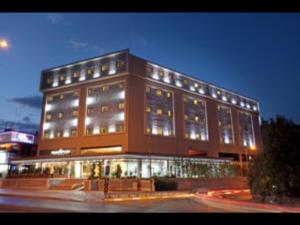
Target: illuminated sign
(3,157)
(14,136)
(61,152)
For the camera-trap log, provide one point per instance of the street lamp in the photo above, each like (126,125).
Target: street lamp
(3,44)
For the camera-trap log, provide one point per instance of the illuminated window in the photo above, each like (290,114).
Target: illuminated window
(169,113)
(89,131)
(46,134)
(225,125)
(73,132)
(104,108)
(120,127)
(60,115)
(49,99)
(121,105)
(76,74)
(148,89)
(148,109)
(218,92)
(49,80)
(196,85)
(48,117)
(161,73)
(158,92)
(76,93)
(159,131)
(62,77)
(75,113)
(195,119)
(149,69)
(104,130)
(121,86)
(105,88)
(169,95)
(90,71)
(90,110)
(59,134)
(61,97)
(90,91)
(104,67)
(148,130)
(120,63)
(159,111)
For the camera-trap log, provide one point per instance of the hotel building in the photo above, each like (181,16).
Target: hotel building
(121,109)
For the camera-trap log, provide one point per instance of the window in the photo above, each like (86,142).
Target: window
(148,130)
(195,124)
(120,63)
(49,99)
(104,67)
(159,131)
(90,71)
(149,69)
(104,130)
(75,113)
(121,86)
(61,97)
(73,132)
(90,110)
(120,127)
(76,93)
(49,80)
(148,109)
(89,131)
(104,108)
(76,74)
(46,135)
(225,125)
(161,73)
(185,81)
(148,89)
(159,111)
(169,113)
(169,95)
(59,134)
(105,88)
(158,92)
(60,115)
(62,77)
(121,105)
(48,117)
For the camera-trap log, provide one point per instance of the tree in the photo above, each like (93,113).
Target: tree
(276,172)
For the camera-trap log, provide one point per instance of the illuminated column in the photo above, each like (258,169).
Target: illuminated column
(77,168)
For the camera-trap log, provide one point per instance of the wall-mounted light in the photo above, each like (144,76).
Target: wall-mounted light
(233,101)
(178,83)
(224,98)
(75,103)
(201,91)
(112,128)
(96,130)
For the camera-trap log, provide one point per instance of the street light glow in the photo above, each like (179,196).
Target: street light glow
(3,43)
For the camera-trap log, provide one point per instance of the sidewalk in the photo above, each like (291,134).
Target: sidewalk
(77,196)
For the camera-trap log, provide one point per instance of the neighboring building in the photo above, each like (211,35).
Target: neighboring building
(14,144)
(122,109)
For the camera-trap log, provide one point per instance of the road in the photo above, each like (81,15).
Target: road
(19,204)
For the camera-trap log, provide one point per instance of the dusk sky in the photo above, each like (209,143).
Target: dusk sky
(255,54)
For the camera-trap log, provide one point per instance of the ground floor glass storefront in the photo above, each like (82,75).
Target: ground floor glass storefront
(125,165)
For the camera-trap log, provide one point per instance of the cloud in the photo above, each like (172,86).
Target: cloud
(77,44)
(56,18)
(19,126)
(141,41)
(26,119)
(34,102)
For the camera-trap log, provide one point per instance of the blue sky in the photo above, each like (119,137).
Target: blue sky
(255,54)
